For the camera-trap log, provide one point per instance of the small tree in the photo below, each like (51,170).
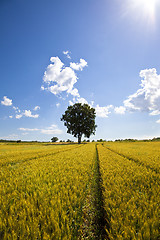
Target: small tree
(54,139)
(80,119)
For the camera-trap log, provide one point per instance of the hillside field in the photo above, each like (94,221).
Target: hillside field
(107,190)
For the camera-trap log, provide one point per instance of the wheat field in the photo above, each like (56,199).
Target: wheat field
(52,191)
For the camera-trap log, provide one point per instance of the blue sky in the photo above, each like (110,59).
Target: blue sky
(55,52)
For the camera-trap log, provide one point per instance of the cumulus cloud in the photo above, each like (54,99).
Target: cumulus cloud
(147,98)
(103,111)
(78,100)
(120,110)
(75,92)
(67,54)
(59,79)
(53,129)
(79,66)
(6,101)
(27,113)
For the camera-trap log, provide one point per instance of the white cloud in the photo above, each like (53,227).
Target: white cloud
(78,100)
(6,101)
(10,137)
(53,129)
(158,121)
(103,111)
(92,103)
(67,54)
(120,110)
(147,98)
(29,129)
(82,100)
(18,116)
(36,108)
(70,102)
(154,113)
(79,66)
(58,105)
(25,133)
(28,113)
(17,110)
(75,92)
(59,78)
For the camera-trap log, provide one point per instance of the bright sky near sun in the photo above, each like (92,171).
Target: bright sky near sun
(56,53)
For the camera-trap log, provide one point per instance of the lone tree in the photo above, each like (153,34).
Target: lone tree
(54,139)
(80,119)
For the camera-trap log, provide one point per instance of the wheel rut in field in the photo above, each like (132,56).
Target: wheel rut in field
(37,157)
(133,160)
(95,217)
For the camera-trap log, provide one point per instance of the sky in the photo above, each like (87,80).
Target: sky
(55,53)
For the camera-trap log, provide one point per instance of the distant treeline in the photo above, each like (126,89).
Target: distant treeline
(99,140)
(135,140)
(17,141)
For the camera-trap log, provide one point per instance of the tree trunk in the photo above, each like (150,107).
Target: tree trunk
(79,139)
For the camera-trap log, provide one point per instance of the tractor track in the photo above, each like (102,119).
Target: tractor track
(134,160)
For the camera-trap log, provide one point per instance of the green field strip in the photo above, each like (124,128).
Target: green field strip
(133,159)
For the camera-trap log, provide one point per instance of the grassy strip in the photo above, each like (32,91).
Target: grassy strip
(94,214)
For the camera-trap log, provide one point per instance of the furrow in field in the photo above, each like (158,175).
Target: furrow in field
(19,158)
(144,164)
(94,215)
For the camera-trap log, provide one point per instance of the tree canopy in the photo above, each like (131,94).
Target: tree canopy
(54,139)
(80,119)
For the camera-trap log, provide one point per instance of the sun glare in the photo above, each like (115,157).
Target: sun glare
(147,8)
